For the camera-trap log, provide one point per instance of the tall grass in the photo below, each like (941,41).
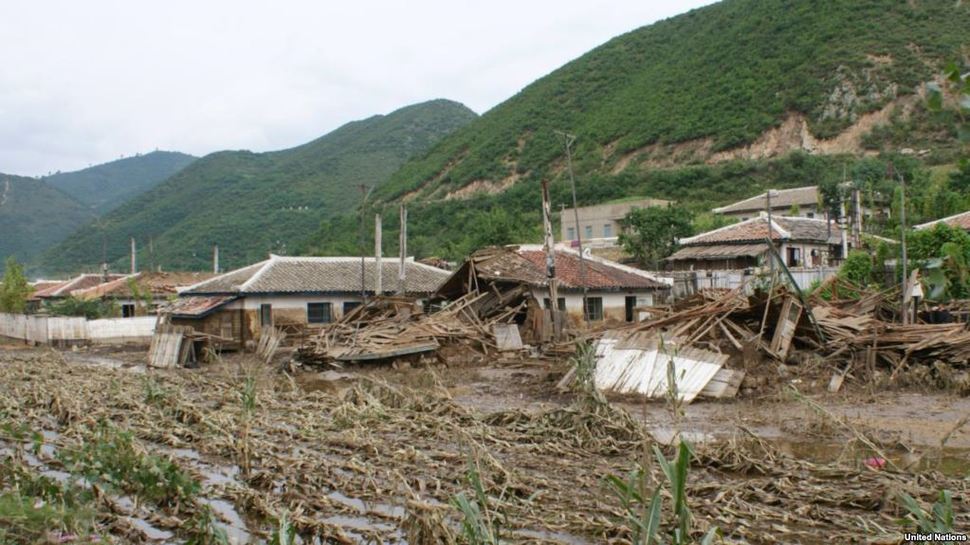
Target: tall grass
(643,511)
(481,523)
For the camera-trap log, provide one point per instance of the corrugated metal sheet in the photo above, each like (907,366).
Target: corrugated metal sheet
(641,367)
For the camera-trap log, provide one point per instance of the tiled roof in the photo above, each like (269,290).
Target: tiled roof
(961,221)
(158,284)
(196,306)
(720,251)
(780,198)
(527,264)
(782,228)
(77,283)
(284,274)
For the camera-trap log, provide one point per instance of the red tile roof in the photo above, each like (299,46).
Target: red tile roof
(158,284)
(80,282)
(527,264)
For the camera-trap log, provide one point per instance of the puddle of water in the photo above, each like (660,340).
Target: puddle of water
(546,535)
(235,528)
(954,462)
(150,532)
(101,361)
(358,523)
(363,507)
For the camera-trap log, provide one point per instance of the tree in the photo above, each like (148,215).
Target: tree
(650,234)
(15,290)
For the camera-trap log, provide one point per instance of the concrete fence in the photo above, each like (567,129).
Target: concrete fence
(67,330)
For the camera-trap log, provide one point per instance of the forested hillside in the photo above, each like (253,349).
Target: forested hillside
(702,108)
(255,203)
(105,186)
(34,215)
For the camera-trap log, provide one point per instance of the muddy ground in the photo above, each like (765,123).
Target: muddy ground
(372,455)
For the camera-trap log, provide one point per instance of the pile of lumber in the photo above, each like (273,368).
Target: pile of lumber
(391,327)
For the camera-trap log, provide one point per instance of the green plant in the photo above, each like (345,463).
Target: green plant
(284,533)
(33,508)
(155,393)
(939,518)
(110,457)
(651,234)
(14,290)
(643,514)
(203,529)
(481,524)
(92,309)
(857,268)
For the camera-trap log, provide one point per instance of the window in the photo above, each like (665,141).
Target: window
(594,309)
(607,230)
(810,215)
(350,305)
(589,231)
(266,315)
(794,256)
(571,233)
(128,310)
(560,302)
(319,313)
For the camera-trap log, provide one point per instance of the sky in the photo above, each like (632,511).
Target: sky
(83,83)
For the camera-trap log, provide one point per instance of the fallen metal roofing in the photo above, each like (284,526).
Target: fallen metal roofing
(197,306)
(641,365)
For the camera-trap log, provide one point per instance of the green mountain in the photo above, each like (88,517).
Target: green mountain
(255,203)
(34,216)
(702,108)
(105,186)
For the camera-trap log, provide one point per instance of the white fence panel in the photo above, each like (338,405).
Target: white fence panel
(37,329)
(122,330)
(61,329)
(13,325)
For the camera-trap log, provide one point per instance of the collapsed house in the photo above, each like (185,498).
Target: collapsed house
(614,292)
(801,242)
(54,291)
(142,293)
(292,293)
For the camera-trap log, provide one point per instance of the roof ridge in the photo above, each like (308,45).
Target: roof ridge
(941,220)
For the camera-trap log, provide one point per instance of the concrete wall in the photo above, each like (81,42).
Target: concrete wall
(614,303)
(64,330)
(596,218)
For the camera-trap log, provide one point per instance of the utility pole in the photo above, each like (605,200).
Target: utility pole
(379,273)
(568,140)
(550,247)
(364,192)
(134,257)
(771,241)
(858,217)
(215,258)
(902,240)
(403,247)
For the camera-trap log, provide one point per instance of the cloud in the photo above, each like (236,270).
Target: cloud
(87,82)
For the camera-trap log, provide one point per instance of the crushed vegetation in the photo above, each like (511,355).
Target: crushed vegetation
(385,463)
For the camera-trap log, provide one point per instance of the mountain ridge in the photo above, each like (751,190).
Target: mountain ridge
(255,203)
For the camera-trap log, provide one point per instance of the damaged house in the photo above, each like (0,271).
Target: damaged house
(141,294)
(800,242)
(614,291)
(292,293)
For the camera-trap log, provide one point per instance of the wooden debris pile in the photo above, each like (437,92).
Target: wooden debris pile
(391,327)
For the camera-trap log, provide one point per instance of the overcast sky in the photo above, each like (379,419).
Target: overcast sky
(84,82)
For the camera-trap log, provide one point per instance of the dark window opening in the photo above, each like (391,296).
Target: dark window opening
(266,315)
(128,310)
(560,302)
(319,313)
(349,306)
(794,256)
(594,309)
